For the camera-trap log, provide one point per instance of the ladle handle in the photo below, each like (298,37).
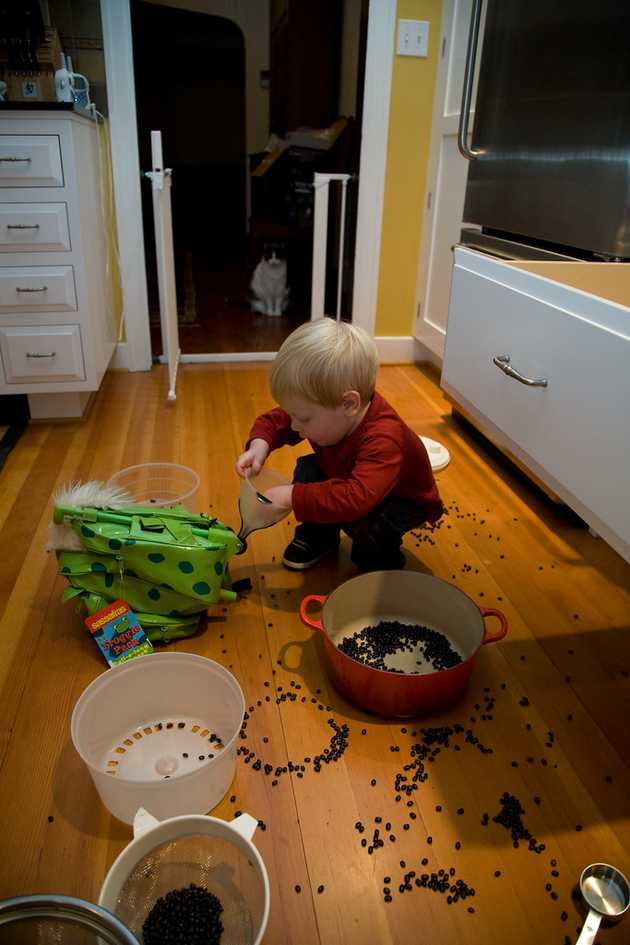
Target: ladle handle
(590,928)
(315,624)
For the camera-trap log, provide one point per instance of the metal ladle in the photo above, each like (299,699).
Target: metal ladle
(607,894)
(256,509)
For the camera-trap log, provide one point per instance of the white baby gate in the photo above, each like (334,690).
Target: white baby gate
(321,187)
(160,178)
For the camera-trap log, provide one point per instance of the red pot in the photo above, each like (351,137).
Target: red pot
(412,598)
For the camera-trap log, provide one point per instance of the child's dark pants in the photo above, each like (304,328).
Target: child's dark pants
(376,539)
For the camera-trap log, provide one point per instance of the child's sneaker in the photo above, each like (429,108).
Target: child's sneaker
(302,554)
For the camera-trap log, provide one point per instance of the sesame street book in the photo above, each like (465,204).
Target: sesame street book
(119,635)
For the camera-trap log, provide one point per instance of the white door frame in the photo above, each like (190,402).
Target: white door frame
(446,184)
(118,49)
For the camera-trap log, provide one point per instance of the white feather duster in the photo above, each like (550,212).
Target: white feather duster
(94,494)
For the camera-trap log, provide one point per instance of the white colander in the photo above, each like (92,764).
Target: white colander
(196,849)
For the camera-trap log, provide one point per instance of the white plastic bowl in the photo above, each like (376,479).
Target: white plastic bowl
(161,484)
(144,729)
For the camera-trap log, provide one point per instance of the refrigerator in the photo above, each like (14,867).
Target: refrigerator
(549,171)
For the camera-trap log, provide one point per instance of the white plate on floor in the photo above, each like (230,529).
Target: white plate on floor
(438,453)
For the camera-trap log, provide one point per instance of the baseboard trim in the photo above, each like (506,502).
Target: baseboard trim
(120,357)
(403,349)
(237,357)
(45,408)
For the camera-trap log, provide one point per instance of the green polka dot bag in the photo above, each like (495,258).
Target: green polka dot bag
(168,564)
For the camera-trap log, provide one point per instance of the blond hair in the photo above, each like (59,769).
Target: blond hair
(323,359)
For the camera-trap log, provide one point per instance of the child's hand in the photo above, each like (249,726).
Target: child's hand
(252,460)
(281,496)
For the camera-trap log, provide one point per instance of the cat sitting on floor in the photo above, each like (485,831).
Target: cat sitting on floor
(269,285)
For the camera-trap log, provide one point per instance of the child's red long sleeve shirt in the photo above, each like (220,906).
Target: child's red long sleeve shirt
(382,456)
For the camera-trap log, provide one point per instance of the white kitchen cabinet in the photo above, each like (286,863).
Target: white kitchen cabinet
(538,355)
(57,331)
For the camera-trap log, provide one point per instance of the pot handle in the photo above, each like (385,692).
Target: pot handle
(315,624)
(503,629)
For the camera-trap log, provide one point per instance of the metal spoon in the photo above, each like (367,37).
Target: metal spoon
(607,894)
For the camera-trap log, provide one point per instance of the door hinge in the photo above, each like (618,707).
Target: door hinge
(418,311)
(443,46)
(429,199)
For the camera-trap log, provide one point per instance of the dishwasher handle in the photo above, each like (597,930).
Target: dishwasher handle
(502,361)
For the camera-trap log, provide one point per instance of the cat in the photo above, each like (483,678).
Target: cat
(269,285)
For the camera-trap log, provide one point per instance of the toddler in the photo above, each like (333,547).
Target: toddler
(369,473)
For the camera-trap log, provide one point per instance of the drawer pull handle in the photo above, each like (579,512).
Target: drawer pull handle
(15,160)
(22,226)
(502,361)
(34,354)
(43,288)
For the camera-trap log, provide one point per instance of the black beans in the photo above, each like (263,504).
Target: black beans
(510,817)
(371,645)
(320,888)
(188,916)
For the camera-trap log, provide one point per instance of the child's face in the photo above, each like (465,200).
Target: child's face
(325,426)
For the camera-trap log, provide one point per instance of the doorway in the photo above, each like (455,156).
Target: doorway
(242,185)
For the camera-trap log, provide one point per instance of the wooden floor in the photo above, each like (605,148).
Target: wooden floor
(559,728)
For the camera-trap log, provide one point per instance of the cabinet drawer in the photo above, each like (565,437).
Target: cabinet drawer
(30,161)
(34,227)
(37,289)
(575,431)
(42,353)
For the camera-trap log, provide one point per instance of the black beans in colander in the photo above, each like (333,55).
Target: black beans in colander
(188,916)
(372,644)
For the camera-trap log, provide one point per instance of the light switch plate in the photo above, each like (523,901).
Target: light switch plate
(413,38)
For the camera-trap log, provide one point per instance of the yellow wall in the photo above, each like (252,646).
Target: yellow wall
(411,112)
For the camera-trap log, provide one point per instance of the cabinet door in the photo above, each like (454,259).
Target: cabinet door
(30,161)
(573,433)
(33,228)
(42,353)
(37,289)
